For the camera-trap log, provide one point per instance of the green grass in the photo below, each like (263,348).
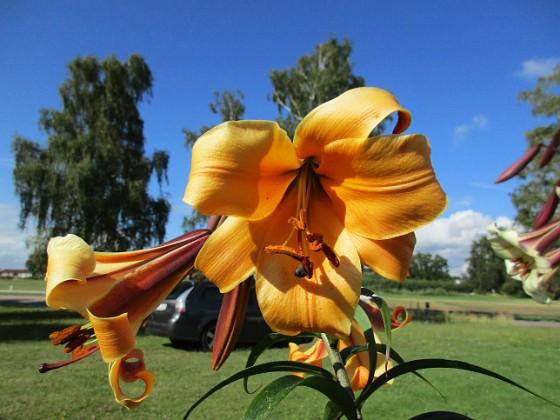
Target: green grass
(27,285)
(528,355)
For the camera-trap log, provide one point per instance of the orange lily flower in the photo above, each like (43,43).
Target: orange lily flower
(304,216)
(357,366)
(115,291)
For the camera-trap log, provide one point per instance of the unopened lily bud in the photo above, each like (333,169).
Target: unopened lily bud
(550,150)
(518,165)
(549,207)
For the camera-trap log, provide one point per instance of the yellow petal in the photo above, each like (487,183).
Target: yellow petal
(229,256)
(312,353)
(291,304)
(70,261)
(387,257)
(382,187)
(241,169)
(130,371)
(354,114)
(114,335)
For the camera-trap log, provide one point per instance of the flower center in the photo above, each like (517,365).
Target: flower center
(520,267)
(306,240)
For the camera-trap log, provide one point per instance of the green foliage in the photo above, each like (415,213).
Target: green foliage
(538,183)
(92,177)
(428,266)
(229,107)
(316,78)
(486,272)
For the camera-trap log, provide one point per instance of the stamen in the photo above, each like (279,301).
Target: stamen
(76,343)
(80,354)
(65,335)
(316,244)
(284,250)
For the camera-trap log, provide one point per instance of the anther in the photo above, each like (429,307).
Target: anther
(299,223)
(316,244)
(65,335)
(284,250)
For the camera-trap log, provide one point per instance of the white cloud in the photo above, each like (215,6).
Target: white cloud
(461,132)
(533,69)
(451,237)
(13,252)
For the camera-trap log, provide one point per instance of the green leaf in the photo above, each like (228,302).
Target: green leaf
(331,411)
(441,415)
(419,364)
(282,366)
(263,404)
(398,359)
(264,343)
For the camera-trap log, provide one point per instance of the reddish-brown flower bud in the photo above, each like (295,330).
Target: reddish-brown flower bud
(519,164)
(550,150)
(549,208)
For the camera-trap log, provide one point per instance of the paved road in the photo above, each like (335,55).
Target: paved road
(27,300)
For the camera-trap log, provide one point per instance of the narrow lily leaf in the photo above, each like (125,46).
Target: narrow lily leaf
(264,343)
(281,366)
(398,359)
(386,315)
(419,364)
(331,411)
(265,402)
(442,415)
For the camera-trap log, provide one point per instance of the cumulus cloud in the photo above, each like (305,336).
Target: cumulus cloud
(461,132)
(451,237)
(13,252)
(533,69)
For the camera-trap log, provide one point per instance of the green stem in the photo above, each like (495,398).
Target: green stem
(341,373)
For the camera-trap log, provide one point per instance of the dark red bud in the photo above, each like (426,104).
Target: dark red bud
(518,165)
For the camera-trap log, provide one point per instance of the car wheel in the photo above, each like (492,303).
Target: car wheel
(207,337)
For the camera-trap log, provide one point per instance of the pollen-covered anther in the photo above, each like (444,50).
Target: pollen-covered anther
(76,343)
(65,335)
(284,250)
(316,244)
(299,223)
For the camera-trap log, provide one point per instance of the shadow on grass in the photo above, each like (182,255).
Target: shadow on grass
(18,324)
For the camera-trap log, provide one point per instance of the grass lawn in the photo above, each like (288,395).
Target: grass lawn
(26,285)
(525,354)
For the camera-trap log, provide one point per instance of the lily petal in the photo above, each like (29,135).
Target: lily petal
(71,260)
(291,304)
(130,371)
(382,187)
(312,353)
(115,336)
(354,114)
(242,169)
(388,257)
(230,254)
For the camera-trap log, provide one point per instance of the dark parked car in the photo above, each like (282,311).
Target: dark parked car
(190,312)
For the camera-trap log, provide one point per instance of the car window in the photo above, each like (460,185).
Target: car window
(211,294)
(180,288)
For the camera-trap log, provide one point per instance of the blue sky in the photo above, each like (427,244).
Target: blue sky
(458,66)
